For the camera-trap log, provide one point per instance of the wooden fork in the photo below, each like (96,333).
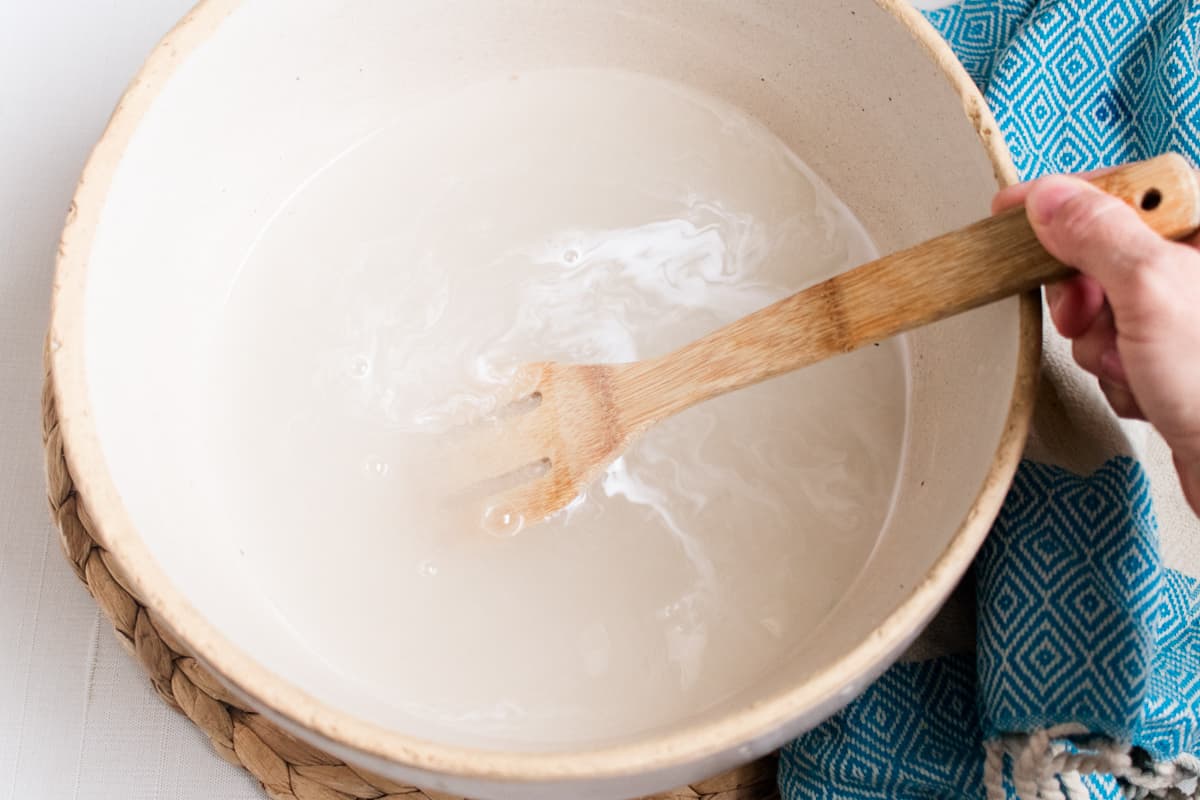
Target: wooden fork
(571,420)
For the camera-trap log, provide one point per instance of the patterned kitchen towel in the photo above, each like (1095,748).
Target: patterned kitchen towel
(1088,650)
(1079,84)
(1086,678)
(1086,682)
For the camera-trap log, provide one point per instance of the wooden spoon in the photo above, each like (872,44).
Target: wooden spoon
(571,420)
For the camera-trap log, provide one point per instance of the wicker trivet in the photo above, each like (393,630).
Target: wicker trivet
(287,768)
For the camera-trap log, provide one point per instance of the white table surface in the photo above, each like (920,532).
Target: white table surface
(77,717)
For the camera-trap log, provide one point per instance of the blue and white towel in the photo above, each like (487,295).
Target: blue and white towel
(1085,678)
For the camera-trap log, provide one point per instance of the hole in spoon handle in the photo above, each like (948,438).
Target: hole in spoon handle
(1164,191)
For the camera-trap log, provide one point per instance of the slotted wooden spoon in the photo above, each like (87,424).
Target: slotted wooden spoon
(570,420)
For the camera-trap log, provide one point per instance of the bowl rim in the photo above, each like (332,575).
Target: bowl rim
(280,699)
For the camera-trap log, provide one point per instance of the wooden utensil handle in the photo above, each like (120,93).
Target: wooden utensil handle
(995,258)
(984,262)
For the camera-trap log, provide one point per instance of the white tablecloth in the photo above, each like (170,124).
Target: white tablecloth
(77,717)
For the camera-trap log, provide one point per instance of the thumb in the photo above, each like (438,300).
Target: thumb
(1099,235)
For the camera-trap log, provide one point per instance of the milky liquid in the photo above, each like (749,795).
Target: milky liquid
(579,216)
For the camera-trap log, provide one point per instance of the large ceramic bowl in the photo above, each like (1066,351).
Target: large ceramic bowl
(247,99)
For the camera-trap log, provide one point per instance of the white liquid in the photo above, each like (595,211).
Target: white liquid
(580,216)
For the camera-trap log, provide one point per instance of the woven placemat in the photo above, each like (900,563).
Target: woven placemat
(287,768)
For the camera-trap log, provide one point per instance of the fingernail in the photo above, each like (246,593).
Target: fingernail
(1045,200)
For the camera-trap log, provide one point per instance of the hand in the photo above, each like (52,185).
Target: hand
(1133,314)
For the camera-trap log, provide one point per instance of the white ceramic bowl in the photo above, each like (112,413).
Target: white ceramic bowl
(240,104)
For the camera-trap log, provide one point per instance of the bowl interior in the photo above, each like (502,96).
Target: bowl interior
(267,105)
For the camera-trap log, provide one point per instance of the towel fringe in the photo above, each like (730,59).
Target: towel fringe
(1045,765)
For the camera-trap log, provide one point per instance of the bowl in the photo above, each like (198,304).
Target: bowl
(302,131)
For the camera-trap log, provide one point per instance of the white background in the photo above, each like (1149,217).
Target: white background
(77,717)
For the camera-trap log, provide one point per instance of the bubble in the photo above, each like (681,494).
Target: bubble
(55,345)
(500,521)
(571,256)
(360,366)
(376,467)
(427,568)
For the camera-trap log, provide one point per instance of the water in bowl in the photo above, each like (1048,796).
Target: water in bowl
(581,216)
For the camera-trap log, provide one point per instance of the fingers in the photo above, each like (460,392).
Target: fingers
(1189,479)
(1131,279)
(1105,239)
(1121,400)
(1095,350)
(1089,229)
(1131,313)
(1074,304)
(1013,196)
(1090,347)
(1112,368)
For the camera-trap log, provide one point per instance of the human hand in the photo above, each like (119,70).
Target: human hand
(1133,314)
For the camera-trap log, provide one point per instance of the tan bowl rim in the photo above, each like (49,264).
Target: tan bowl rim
(691,743)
